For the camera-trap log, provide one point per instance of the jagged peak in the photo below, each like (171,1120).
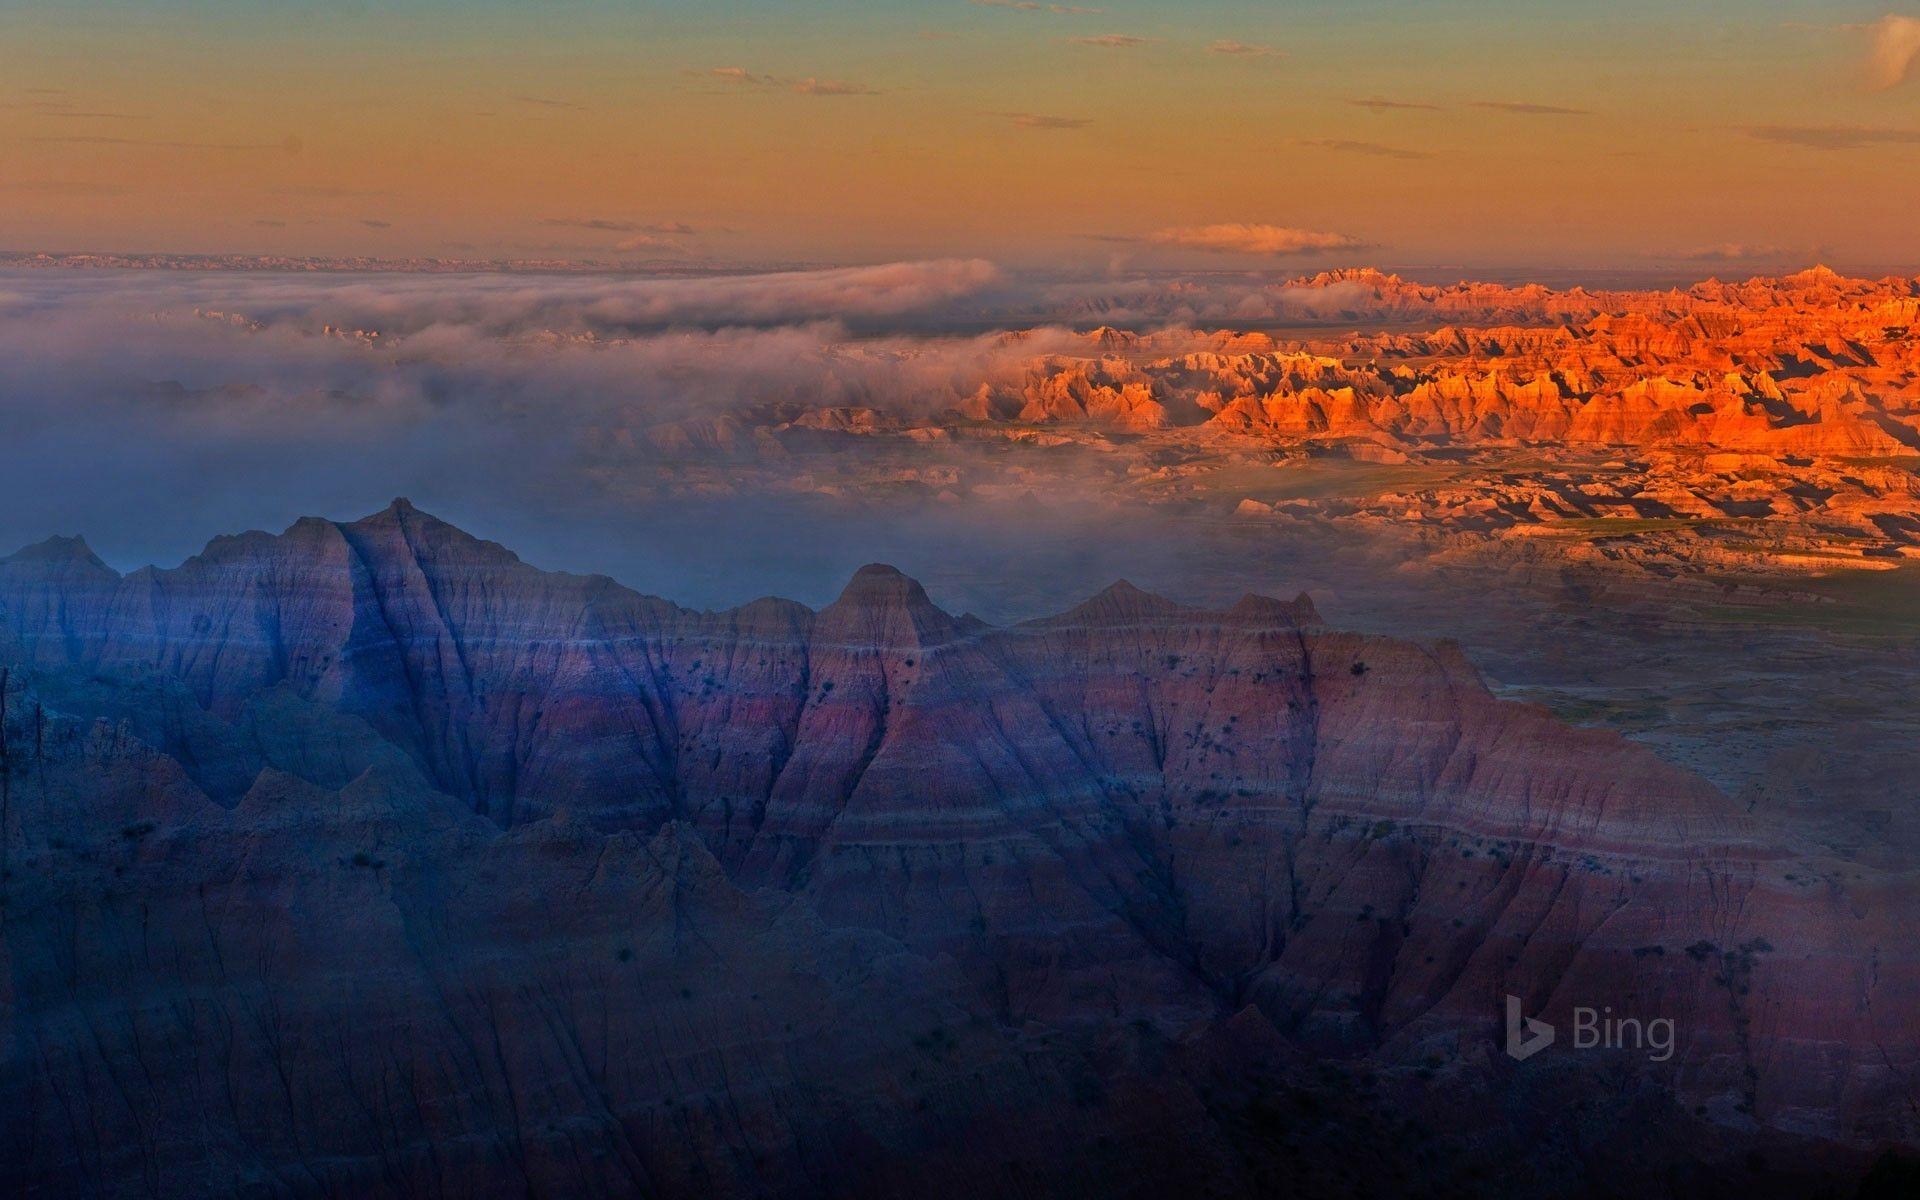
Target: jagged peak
(401,509)
(1819,274)
(882,606)
(1121,599)
(879,584)
(422,529)
(1120,603)
(58,550)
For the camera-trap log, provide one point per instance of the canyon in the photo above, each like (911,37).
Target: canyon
(367,858)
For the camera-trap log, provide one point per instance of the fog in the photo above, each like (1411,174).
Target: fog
(619,426)
(571,418)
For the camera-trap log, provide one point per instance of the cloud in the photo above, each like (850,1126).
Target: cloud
(650,453)
(1027,120)
(66,187)
(307,192)
(290,145)
(376,223)
(637,455)
(1525,109)
(47,106)
(1734,252)
(1061,10)
(1246,238)
(742,76)
(1111,41)
(615,305)
(1894,52)
(1379,104)
(830,87)
(607,225)
(809,86)
(51,111)
(649,241)
(1834,137)
(1375,149)
(550,102)
(1244,49)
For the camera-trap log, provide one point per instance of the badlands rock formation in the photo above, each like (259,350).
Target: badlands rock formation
(1771,426)
(368,859)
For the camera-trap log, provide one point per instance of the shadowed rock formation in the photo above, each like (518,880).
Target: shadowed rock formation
(367,858)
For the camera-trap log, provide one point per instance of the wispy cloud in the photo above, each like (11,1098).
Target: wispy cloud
(328,192)
(649,241)
(1374,149)
(1027,120)
(1235,49)
(1061,10)
(742,76)
(1254,238)
(808,86)
(1526,109)
(550,102)
(1111,41)
(1894,52)
(290,145)
(1379,104)
(830,87)
(376,223)
(1834,137)
(55,103)
(659,236)
(66,187)
(609,225)
(1733,252)
(57,109)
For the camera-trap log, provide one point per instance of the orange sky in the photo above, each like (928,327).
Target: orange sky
(1548,133)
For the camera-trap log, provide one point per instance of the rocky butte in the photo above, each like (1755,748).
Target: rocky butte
(1768,427)
(368,859)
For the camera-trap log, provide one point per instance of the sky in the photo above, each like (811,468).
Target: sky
(1111,134)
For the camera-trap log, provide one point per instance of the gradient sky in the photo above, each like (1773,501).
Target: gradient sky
(861,130)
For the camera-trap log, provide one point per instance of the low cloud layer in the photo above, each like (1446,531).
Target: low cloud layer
(593,424)
(516,404)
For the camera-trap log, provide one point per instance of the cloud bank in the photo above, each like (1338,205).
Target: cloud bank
(150,409)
